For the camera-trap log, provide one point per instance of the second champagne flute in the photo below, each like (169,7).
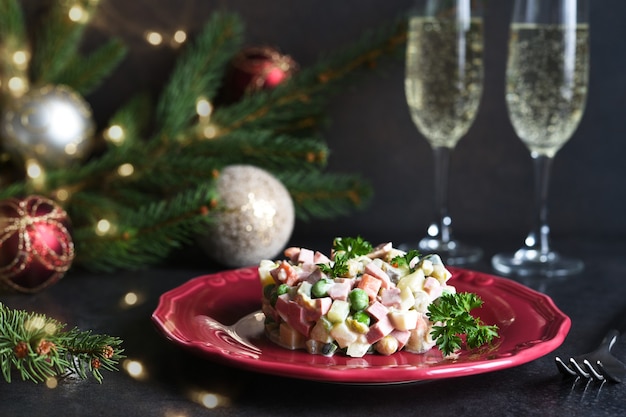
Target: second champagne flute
(443,86)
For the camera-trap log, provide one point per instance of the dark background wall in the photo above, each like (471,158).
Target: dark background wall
(371,132)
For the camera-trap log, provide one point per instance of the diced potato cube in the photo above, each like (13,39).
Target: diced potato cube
(357,350)
(320,332)
(290,338)
(414,281)
(265,266)
(404,320)
(343,335)
(426,267)
(407,299)
(441,273)
(339,311)
(422,301)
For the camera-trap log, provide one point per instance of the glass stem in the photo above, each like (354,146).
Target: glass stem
(539,237)
(442,163)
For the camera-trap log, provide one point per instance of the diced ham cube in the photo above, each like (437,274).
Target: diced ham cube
(402,336)
(282,306)
(320,307)
(298,320)
(292,253)
(391,297)
(379,330)
(433,287)
(370,284)
(340,289)
(306,256)
(375,270)
(320,258)
(377,310)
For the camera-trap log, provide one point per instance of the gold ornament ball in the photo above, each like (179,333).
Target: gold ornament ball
(52,124)
(255,220)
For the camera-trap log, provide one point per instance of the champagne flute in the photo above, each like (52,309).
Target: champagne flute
(443,87)
(546,91)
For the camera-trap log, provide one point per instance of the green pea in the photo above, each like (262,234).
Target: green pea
(267,290)
(359,300)
(362,317)
(282,289)
(320,288)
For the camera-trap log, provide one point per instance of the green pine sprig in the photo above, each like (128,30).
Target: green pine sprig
(157,208)
(37,347)
(452,311)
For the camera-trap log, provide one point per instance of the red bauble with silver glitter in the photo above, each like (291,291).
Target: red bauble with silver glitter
(257,68)
(36,247)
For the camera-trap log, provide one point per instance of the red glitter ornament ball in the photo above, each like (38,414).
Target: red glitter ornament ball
(257,68)
(36,247)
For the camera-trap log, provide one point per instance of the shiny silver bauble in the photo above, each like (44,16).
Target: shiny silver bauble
(52,124)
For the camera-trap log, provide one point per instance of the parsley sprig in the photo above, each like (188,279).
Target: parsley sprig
(345,248)
(453,311)
(405,260)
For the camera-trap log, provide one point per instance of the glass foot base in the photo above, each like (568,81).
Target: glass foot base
(528,262)
(452,252)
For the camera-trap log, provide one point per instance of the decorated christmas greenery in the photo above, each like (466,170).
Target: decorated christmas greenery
(37,348)
(145,184)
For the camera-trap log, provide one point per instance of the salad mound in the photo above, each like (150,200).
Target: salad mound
(360,300)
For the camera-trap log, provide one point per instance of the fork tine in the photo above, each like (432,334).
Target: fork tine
(580,371)
(592,371)
(563,368)
(606,374)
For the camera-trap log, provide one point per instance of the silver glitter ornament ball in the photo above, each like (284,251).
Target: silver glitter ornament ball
(52,124)
(256,219)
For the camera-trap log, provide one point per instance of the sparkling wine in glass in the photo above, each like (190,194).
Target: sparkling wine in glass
(546,90)
(443,87)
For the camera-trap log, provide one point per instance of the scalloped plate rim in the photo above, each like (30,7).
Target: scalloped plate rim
(538,305)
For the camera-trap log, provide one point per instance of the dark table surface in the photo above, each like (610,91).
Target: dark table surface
(175,382)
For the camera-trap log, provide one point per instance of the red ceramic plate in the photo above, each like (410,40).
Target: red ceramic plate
(218,316)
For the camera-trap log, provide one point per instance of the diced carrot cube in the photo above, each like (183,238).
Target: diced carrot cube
(370,284)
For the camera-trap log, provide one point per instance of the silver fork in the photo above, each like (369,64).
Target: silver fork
(599,364)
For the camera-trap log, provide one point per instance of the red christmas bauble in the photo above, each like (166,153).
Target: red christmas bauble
(36,247)
(257,68)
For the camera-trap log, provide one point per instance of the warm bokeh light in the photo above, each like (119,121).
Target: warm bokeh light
(52,382)
(131,298)
(208,399)
(154,38)
(62,194)
(180,36)
(134,368)
(17,85)
(209,131)
(115,134)
(103,227)
(77,13)
(20,59)
(203,107)
(33,169)
(70,149)
(125,170)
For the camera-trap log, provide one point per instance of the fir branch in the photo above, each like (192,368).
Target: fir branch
(135,117)
(266,149)
(57,42)
(146,235)
(305,94)
(38,348)
(85,74)
(198,73)
(12,28)
(323,195)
